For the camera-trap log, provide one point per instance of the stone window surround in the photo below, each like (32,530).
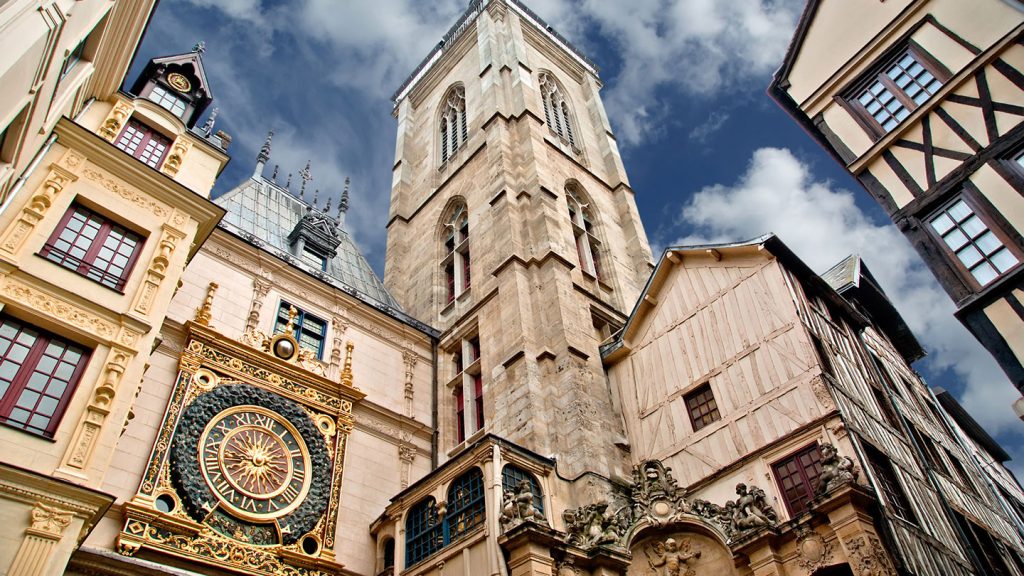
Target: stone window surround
(467,411)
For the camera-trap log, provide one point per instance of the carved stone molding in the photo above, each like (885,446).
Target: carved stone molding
(410,360)
(867,556)
(157,270)
(179,150)
(127,192)
(66,312)
(406,454)
(813,551)
(115,120)
(96,412)
(260,289)
(36,208)
(49,521)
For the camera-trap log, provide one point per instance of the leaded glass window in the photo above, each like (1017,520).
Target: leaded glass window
(38,375)
(976,247)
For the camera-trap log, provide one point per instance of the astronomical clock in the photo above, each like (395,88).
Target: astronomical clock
(246,470)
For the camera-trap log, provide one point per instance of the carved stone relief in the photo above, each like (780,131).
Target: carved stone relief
(867,556)
(836,470)
(814,552)
(680,554)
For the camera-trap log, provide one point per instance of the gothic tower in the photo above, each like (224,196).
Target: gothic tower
(514,230)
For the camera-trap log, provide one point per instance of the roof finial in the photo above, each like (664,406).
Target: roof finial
(199,47)
(273,176)
(327,209)
(343,204)
(263,156)
(306,179)
(316,197)
(208,127)
(288,185)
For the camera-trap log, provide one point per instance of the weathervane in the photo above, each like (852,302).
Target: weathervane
(306,179)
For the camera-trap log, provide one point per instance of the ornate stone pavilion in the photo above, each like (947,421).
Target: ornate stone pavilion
(196,386)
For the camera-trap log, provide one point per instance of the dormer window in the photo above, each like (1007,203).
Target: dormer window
(169,100)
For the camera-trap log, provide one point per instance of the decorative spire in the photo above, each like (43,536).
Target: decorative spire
(327,209)
(204,313)
(208,127)
(307,177)
(346,372)
(288,185)
(274,175)
(263,156)
(343,204)
(316,197)
(199,47)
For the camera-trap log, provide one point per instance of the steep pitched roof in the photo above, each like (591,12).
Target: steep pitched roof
(265,214)
(769,242)
(854,282)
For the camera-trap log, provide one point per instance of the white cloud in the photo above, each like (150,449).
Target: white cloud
(823,225)
(689,47)
(700,133)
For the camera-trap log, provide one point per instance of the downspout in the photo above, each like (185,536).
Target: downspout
(38,158)
(435,432)
(497,494)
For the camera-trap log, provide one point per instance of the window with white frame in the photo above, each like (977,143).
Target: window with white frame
(467,389)
(456,262)
(168,100)
(890,93)
(588,247)
(975,247)
(454,132)
(556,110)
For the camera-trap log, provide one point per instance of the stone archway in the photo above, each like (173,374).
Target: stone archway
(680,550)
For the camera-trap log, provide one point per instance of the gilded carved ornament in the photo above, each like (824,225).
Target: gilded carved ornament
(49,521)
(205,311)
(179,150)
(115,120)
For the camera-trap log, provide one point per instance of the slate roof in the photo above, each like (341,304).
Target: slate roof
(265,213)
(854,282)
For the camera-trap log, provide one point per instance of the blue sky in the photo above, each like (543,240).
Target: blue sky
(709,155)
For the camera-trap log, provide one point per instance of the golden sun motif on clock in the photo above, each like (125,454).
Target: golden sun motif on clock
(255,462)
(179,82)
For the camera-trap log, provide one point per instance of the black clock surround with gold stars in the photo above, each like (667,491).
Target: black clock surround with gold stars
(251,464)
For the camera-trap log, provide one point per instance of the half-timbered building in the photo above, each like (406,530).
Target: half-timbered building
(922,101)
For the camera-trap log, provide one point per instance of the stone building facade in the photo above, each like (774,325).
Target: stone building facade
(921,102)
(197,386)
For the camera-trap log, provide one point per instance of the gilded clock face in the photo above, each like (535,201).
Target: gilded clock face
(251,465)
(255,462)
(179,82)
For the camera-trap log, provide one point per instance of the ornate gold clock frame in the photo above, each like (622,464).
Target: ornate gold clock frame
(246,470)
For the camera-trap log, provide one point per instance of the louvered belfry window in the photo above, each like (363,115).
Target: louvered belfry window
(556,110)
(454,131)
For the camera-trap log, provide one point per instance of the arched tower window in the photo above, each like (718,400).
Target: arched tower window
(512,476)
(453,123)
(465,505)
(588,247)
(389,556)
(556,110)
(424,534)
(456,253)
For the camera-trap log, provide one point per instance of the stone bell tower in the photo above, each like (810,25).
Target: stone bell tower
(514,230)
